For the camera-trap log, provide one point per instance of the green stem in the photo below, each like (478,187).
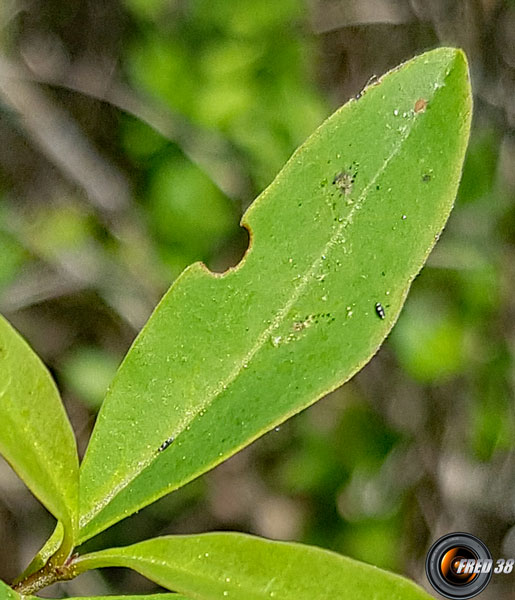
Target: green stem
(65,549)
(59,567)
(44,555)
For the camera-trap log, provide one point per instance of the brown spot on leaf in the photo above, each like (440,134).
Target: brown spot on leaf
(420,105)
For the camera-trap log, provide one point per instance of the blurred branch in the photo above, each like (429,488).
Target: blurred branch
(210,151)
(334,14)
(60,138)
(36,285)
(69,274)
(90,267)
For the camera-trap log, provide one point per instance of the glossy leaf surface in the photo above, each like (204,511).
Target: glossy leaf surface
(36,437)
(336,241)
(230,565)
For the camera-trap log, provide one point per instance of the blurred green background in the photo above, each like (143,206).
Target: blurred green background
(134,133)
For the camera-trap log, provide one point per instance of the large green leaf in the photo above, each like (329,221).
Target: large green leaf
(347,223)
(232,565)
(6,593)
(36,437)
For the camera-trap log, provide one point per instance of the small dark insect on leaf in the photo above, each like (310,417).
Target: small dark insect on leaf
(380,310)
(165,444)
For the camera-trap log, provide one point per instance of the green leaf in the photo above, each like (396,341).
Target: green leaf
(347,223)
(36,437)
(7,593)
(47,551)
(242,567)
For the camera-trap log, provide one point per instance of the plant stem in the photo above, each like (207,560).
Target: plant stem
(59,568)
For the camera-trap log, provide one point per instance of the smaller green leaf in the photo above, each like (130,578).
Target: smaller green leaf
(50,547)
(36,437)
(242,567)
